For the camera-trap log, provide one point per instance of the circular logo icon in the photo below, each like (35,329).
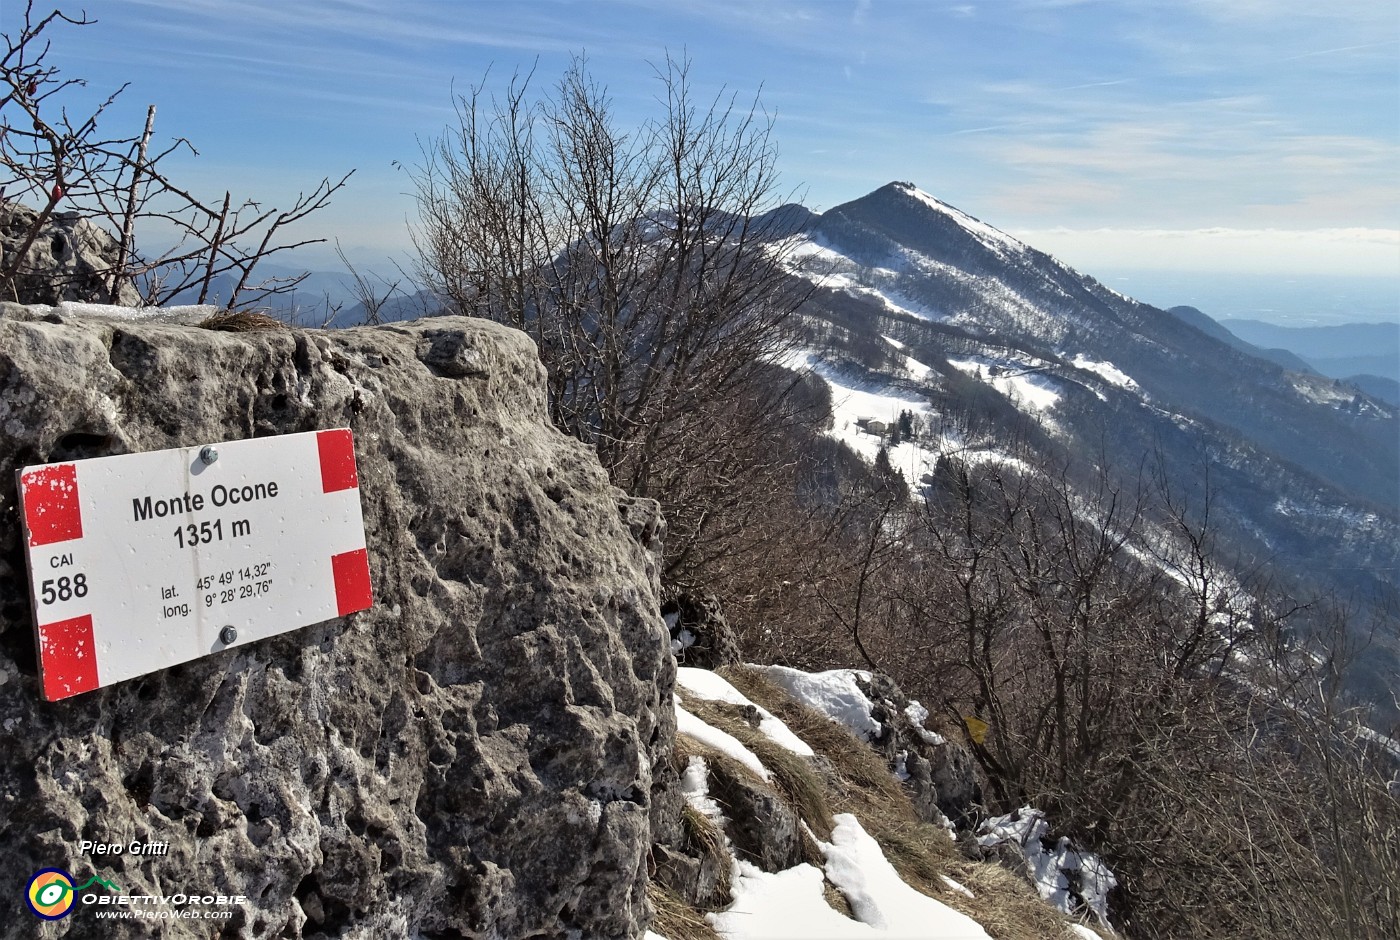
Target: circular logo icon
(50,893)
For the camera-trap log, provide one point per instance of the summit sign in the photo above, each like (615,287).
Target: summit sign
(141,562)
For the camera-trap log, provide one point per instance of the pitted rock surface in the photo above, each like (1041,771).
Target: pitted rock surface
(700,633)
(478,755)
(942,774)
(70,259)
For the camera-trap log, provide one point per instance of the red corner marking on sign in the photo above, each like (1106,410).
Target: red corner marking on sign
(67,657)
(352,588)
(51,504)
(337,449)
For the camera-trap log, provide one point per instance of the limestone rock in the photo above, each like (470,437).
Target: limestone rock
(481,754)
(69,260)
(700,634)
(942,774)
(761,824)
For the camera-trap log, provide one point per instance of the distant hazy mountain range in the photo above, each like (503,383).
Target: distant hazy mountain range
(1365,354)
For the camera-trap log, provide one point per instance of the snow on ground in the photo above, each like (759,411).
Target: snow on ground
(895,302)
(913,367)
(188,312)
(1024,386)
(804,249)
(830,268)
(917,715)
(993,238)
(695,787)
(957,886)
(708,685)
(1323,391)
(783,906)
(833,693)
(854,401)
(1079,930)
(856,864)
(1106,371)
(1050,868)
(790,904)
(1388,743)
(722,741)
(1355,519)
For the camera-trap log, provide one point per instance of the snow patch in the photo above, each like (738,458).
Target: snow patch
(961,889)
(1025,386)
(833,693)
(722,741)
(790,904)
(783,906)
(1106,371)
(1050,869)
(695,787)
(114,312)
(879,897)
(917,715)
(707,685)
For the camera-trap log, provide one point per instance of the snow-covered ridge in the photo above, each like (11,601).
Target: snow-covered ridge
(993,238)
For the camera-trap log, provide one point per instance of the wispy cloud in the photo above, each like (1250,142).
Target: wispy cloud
(1251,114)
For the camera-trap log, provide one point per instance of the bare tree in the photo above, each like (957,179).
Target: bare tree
(371,297)
(648,266)
(53,158)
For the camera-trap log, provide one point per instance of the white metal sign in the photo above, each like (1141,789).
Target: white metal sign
(143,561)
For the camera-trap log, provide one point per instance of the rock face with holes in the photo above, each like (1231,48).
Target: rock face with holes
(700,633)
(68,260)
(940,775)
(484,753)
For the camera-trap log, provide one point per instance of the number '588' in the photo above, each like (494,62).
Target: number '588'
(63,589)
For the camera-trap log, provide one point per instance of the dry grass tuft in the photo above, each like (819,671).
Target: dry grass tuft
(676,920)
(836,900)
(1005,903)
(791,774)
(687,747)
(701,830)
(919,851)
(237,321)
(708,838)
(853,759)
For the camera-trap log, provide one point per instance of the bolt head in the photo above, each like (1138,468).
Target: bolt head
(227,635)
(208,453)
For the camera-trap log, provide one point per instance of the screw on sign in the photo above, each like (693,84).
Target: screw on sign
(144,561)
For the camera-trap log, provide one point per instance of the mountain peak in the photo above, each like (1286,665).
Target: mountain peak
(912,218)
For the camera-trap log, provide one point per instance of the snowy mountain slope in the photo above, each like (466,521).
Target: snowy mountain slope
(900,250)
(997,349)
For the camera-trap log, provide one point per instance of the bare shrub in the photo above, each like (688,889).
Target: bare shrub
(52,158)
(650,267)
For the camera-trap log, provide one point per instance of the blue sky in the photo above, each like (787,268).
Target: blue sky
(1217,137)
